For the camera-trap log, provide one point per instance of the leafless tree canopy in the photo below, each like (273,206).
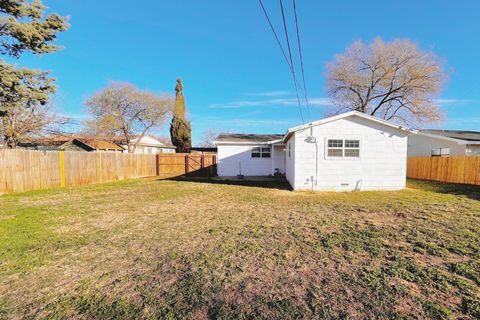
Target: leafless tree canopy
(208,138)
(394,81)
(22,124)
(121,109)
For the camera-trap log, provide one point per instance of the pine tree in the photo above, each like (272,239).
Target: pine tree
(23,28)
(180,128)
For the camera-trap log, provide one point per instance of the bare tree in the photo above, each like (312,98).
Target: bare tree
(394,81)
(123,109)
(208,138)
(164,139)
(22,124)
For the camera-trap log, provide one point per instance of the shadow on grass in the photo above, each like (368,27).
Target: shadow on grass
(468,190)
(263,182)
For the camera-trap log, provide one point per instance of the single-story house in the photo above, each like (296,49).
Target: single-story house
(431,142)
(350,151)
(46,143)
(90,145)
(147,145)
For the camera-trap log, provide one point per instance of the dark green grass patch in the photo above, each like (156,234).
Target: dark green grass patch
(163,249)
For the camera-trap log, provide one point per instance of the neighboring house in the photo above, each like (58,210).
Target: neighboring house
(47,143)
(351,151)
(148,145)
(90,145)
(444,143)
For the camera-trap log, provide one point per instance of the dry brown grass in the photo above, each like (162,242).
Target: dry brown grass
(169,249)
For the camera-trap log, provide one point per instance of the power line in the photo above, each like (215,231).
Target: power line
(289,63)
(301,56)
(291,59)
(275,33)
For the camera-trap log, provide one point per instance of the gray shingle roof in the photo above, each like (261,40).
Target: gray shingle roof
(456,134)
(245,137)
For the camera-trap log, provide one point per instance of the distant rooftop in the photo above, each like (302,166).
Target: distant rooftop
(455,134)
(100,144)
(244,137)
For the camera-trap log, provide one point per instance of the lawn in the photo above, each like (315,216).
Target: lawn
(178,249)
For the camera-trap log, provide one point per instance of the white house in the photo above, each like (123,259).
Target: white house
(351,151)
(444,143)
(148,145)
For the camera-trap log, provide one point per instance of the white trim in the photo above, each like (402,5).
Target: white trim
(349,114)
(261,152)
(252,143)
(317,123)
(327,157)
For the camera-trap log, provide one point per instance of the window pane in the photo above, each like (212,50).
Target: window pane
(335,153)
(335,143)
(255,155)
(265,149)
(256,149)
(266,155)
(352,143)
(352,153)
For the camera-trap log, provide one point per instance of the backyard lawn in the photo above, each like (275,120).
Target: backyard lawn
(181,249)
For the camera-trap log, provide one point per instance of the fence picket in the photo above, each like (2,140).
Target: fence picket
(446,169)
(26,170)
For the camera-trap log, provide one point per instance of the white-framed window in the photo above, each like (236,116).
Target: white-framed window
(261,152)
(343,148)
(289,150)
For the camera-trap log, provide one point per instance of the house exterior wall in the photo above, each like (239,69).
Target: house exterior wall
(473,150)
(290,161)
(148,149)
(381,165)
(149,145)
(278,157)
(421,146)
(236,159)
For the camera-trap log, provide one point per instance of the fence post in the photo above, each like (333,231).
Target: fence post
(61,156)
(100,167)
(157,164)
(186,163)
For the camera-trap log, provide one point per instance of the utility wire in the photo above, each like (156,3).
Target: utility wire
(278,41)
(275,34)
(301,57)
(291,59)
(289,62)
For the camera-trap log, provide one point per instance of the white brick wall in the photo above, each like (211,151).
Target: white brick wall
(381,166)
(421,146)
(290,161)
(232,157)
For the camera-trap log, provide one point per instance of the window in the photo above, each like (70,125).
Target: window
(261,152)
(338,148)
(289,150)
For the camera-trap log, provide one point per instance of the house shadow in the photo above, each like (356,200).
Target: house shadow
(467,190)
(200,169)
(279,183)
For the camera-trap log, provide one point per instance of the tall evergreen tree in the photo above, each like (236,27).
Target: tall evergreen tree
(24,28)
(180,128)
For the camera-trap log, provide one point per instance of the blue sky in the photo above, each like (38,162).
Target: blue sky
(235,78)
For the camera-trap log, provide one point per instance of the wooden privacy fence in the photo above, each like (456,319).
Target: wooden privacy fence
(25,170)
(446,169)
(187,164)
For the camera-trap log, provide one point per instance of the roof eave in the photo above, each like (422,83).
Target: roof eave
(437,136)
(349,114)
(242,142)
